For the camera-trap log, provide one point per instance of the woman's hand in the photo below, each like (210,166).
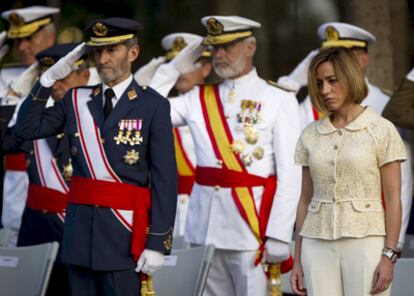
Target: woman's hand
(296,279)
(382,276)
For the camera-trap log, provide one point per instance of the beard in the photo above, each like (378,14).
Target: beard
(110,72)
(226,69)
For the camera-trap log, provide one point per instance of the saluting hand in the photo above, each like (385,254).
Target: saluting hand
(184,62)
(4,48)
(63,67)
(144,74)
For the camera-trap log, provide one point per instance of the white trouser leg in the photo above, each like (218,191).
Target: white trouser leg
(233,273)
(15,188)
(341,267)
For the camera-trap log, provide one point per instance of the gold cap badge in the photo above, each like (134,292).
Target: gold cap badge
(100,29)
(16,19)
(48,61)
(331,33)
(178,44)
(214,27)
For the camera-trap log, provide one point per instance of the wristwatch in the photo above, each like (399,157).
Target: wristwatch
(390,254)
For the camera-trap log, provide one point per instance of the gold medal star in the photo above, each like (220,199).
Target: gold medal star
(131,157)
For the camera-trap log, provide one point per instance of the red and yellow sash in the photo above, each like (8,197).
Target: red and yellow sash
(186,170)
(221,139)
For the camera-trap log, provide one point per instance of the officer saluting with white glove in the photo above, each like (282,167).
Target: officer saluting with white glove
(119,133)
(245,131)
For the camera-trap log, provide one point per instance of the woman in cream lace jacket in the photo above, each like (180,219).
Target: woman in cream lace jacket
(346,241)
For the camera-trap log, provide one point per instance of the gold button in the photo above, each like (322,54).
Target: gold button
(76,135)
(102,140)
(368,205)
(216,188)
(336,147)
(340,133)
(219,162)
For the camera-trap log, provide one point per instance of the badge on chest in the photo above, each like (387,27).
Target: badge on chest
(129,132)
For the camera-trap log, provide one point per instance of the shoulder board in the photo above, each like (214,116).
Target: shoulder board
(13,65)
(386,91)
(275,84)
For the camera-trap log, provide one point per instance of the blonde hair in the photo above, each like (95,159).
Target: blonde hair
(347,71)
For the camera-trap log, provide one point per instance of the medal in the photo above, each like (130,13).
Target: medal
(119,138)
(247,159)
(258,153)
(238,146)
(131,157)
(251,134)
(137,139)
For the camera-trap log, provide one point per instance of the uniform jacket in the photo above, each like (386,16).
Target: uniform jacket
(93,236)
(213,217)
(400,108)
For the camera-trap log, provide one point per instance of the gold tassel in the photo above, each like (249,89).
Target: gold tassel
(147,288)
(274,279)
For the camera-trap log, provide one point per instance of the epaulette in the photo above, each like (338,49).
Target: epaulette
(386,91)
(275,84)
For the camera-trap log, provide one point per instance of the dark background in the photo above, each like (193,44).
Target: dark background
(288,30)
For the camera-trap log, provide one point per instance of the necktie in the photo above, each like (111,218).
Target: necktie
(109,94)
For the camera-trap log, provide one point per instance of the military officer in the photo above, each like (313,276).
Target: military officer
(31,29)
(245,130)
(49,170)
(335,34)
(184,145)
(117,218)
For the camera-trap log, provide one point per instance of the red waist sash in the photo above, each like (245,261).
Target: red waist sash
(185,184)
(230,179)
(46,199)
(15,162)
(120,196)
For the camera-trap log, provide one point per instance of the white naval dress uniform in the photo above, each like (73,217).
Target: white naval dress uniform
(15,183)
(377,100)
(184,199)
(213,217)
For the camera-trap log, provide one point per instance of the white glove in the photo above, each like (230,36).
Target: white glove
(149,261)
(145,73)
(410,75)
(25,81)
(184,62)
(3,48)
(299,76)
(276,251)
(63,67)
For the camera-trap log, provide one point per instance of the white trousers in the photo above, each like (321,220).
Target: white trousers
(343,267)
(232,273)
(16,184)
(181,215)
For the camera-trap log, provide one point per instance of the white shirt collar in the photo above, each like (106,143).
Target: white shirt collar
(118,89)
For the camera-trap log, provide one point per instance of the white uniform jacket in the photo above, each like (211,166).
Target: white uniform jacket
(213,217)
